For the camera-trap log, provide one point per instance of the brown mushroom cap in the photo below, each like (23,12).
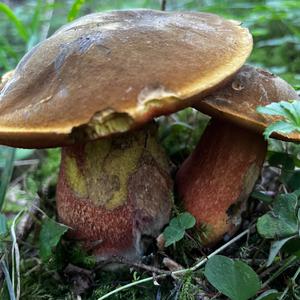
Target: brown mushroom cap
(5,78)
(107,73)
(237,102)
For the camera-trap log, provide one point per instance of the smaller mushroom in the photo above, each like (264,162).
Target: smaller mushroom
(215,181)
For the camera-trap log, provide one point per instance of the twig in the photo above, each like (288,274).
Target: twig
(202,262)
(39,210)
(27,162)
(293,281)
(37,266)
(123,260)
(195,267)
(267,271)
(287,288)
(286,265)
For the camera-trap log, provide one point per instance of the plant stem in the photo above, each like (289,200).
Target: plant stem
(15,256)
(287,264)
(7,279)
(287,288)
(195,267)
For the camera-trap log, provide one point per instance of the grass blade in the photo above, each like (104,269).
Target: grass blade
(75,8)
(8,280)
(15,257)
(16,21)
(7,172)
(40,21)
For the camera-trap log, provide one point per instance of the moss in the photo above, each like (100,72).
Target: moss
(158,153)
(116,159)
(107,164)
(75,177)
(189,290)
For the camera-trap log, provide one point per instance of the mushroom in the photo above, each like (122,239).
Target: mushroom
(93,88)
(217,178)
(5,78)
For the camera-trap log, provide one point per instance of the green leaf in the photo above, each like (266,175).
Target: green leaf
(276,247)
(79,257)
(19,155)
(277,159)
(280,126)
(292,247)
(185,220)
(269,295)
(14,20)
(288,110)
(232,278)
(293,181)
(282,221)
(175,231)
(50,235)
(3,225)
(75,8)
(31,186)
(172,235)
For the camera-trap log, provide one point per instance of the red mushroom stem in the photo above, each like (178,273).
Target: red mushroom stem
(217,178)
(114,191)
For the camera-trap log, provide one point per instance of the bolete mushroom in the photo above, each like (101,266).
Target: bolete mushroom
(217,178)
(5,78)
(92,88)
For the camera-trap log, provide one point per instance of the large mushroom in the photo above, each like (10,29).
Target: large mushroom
(5,78)
(217,178)
(93,88)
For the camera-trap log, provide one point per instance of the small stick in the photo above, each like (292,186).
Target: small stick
(123,260)
(288,263)
(195,267)
(288,287)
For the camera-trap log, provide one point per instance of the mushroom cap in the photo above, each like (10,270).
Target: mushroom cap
(5,78)
(108,73)
(238,100)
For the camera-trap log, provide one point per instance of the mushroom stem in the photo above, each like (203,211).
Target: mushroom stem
(113,192)
(215,181)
